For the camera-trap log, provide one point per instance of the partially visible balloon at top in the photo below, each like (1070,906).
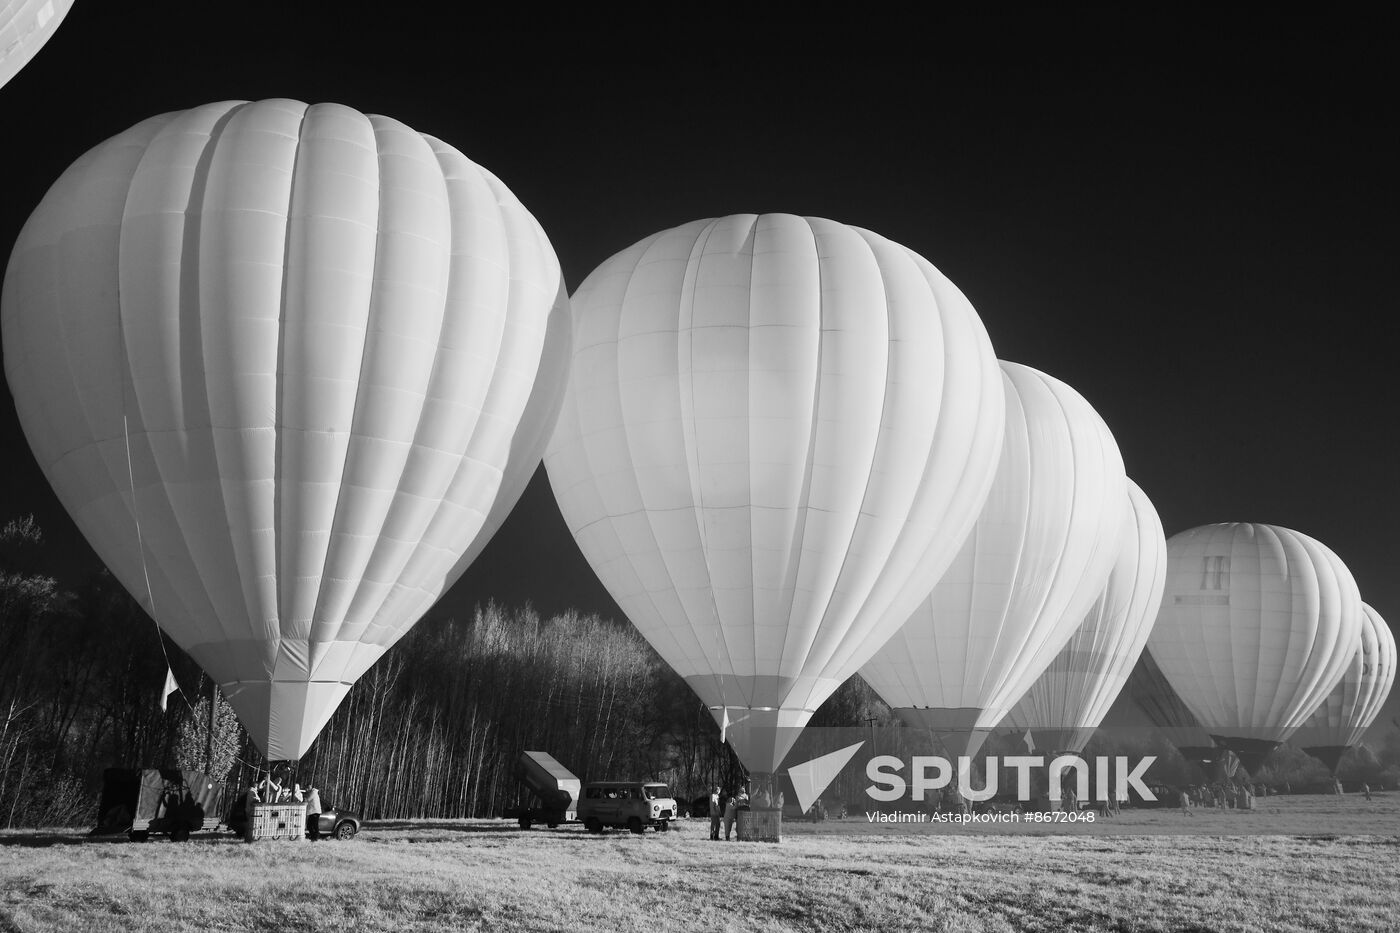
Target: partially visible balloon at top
(25,25)
(287,367)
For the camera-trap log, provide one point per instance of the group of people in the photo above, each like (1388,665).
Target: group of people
(1236,795)
(725,806)
(270,790)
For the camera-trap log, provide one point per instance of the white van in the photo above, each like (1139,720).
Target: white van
(634,804)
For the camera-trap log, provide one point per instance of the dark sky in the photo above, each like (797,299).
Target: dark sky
(1191,222)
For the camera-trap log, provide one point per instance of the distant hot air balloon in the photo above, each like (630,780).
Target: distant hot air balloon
(776,434)
(25,25)
(1346,714)
(1068,701)
(1038,557)
(1258,624)
(279,362)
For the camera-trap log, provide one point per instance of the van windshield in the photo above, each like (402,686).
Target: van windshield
(653,791)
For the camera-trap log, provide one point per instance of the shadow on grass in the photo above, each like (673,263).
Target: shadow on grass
(444,830)
(44,840)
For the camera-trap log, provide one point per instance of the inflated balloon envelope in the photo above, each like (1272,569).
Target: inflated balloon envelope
(1257,626)
(287,367)
(1343,718)
(777,432)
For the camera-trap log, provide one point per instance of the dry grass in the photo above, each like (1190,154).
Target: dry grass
(1129,875)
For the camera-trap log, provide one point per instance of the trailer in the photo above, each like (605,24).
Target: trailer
(553,791)
(168,801)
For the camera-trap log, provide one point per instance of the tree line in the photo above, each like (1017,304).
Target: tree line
(433,730)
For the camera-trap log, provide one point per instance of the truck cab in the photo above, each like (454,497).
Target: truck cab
(633,804)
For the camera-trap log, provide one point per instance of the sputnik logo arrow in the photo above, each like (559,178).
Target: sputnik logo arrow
(811,778)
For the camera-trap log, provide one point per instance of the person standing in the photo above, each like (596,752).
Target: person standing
(716,811)
(313,812)
(731,813)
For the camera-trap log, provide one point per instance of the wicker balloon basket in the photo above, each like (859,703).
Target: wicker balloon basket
(760,825)
(285,821)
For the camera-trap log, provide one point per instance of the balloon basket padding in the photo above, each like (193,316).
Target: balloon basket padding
(285,821)
(760,825)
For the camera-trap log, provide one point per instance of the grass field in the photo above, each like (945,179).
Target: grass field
(1130,874)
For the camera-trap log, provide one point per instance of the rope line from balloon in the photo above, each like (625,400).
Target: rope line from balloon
(151,598)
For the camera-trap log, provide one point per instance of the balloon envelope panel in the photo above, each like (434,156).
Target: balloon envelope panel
(275,360)
(1257,625)
(777,431)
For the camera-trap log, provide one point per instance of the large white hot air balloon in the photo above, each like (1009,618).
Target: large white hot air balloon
(25,25)
(1258,624)
(1039,556)
(1066,703)
(1346,714)
(777,432)
(279,362)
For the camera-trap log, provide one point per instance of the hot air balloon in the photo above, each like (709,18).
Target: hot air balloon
(1346,714)
(1258,624)
(1039,556)
(279,362)
(25,25)
(777,432)
(1068,701)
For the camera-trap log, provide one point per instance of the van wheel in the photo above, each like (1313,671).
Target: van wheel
(593,825)
(635,824)
(179,834)
(664,826)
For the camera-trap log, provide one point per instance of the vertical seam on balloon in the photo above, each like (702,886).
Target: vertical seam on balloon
(321,591)
(124,364)
(126,367)
(279,406)
(804,496)
(1025,656)
(917,686)
(792,569)
(691,445)
(1325,570)
(1248,716)
(356,605)
(856,526)
(1312,565)
(491,519)
(999,682)
(842,645)
(592,474)
(396,629)
(1192,646)
(748,443)
(191,237)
